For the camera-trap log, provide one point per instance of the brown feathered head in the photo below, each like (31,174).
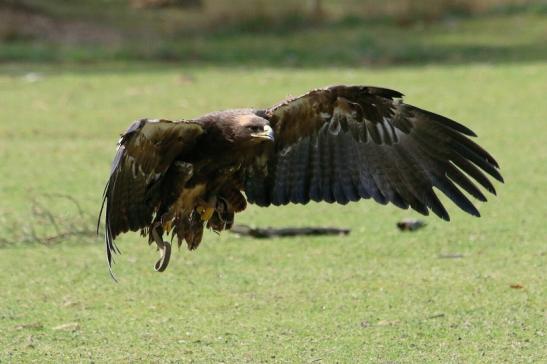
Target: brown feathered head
(240,127)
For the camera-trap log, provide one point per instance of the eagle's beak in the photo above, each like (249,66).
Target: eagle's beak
(268,133)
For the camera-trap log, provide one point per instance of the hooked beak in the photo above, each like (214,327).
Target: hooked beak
(267,134)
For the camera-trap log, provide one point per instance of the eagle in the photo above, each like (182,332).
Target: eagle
(336,144)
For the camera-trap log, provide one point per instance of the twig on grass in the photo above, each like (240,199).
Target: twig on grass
(269,232)
(43,225)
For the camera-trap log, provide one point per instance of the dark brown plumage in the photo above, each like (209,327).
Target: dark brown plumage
(337,144)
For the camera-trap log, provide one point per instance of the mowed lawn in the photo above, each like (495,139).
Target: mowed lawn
(472,290)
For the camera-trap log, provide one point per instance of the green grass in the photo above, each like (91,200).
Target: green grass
(375,296)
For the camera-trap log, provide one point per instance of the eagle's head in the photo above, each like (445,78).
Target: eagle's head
(240,128)
(251,128)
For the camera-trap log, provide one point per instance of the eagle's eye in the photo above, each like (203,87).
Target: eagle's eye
(255,128)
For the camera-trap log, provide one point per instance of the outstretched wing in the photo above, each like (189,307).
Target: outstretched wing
(145,152)
(344,143)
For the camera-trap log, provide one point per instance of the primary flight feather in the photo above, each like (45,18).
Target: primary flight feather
(337,144)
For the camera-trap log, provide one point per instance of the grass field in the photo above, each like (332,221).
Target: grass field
(472,290)
(376,296)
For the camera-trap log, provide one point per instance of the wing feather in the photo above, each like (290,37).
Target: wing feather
(364,142)
(300,186)
(145,152)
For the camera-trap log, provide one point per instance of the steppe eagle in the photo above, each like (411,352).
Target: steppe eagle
(336,144)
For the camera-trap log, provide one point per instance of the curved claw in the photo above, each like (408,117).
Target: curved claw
(163,262)
(205,212)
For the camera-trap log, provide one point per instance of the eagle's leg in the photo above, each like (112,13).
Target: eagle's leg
(206,209)
(165,250)
(223,217)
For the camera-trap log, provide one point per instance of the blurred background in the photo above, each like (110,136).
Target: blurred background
(274,33)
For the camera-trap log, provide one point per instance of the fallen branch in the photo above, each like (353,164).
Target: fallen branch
(263,233)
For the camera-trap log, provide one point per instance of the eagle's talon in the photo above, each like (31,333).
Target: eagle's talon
(165,250)
(163,262)
(205,213)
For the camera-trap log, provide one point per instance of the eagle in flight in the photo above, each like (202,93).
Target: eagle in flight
(336,144)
